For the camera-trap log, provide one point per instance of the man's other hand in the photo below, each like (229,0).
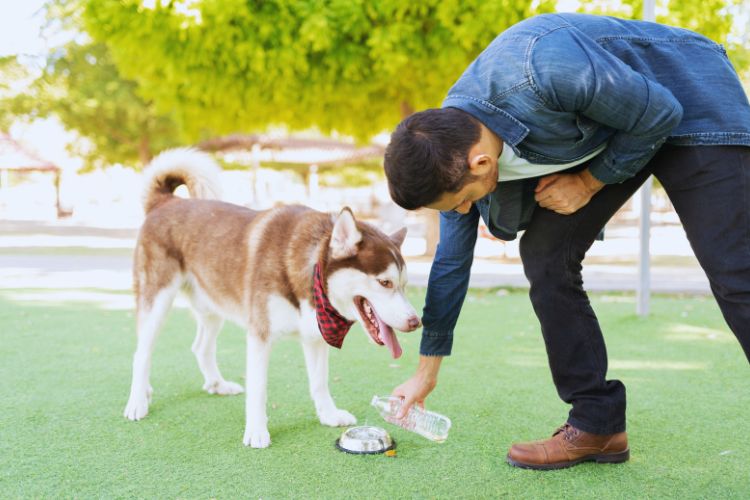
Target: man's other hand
(417,388)
(567,193)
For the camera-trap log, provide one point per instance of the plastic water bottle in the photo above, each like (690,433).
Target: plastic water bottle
(429,424)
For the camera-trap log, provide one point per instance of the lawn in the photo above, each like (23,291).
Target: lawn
(65,371)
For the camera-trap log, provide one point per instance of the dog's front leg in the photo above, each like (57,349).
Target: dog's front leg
(256,420)
(316,359)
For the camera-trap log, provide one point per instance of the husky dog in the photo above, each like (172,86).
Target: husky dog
(287,270)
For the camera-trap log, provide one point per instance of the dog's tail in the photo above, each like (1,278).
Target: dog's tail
(173,168)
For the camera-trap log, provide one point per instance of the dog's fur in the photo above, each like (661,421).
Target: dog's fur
(256,269)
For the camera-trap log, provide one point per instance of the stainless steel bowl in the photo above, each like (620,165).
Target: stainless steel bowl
(365,440)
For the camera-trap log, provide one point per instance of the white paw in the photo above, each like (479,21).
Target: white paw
(337,418)
(223,388)
(137,407)
(256,438)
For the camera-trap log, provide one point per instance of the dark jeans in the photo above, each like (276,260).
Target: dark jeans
(710,189)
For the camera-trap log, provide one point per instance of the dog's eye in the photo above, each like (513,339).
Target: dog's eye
(386,283)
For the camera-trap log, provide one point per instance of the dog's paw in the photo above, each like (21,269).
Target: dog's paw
(256,438)
(137,407)
(337,418)
(223,388)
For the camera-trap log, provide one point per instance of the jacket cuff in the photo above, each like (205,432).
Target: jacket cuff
(602,172)
(436,343)
(604,167)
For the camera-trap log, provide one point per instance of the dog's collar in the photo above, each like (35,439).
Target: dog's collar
(333,326)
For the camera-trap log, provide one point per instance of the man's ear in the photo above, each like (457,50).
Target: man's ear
(480,164)
(399,236)
(345,236)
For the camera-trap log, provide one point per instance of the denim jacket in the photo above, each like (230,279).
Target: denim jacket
(556,86)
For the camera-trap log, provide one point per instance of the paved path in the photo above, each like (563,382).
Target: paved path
(37,255)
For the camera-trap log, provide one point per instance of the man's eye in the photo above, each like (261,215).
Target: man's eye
(386,283)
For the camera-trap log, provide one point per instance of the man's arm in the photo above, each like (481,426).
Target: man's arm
(573,73)
(448,281)
(446,290)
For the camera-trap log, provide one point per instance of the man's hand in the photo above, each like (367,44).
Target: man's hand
(417,388)
(566,193)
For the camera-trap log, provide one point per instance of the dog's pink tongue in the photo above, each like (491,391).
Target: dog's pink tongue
(389,338)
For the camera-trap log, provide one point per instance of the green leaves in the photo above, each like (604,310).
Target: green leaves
(82,87)
(161,72)
(332,64)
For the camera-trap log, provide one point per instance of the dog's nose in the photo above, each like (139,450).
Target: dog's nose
(414,322)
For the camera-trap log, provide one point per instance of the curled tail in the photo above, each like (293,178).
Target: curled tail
(173,168)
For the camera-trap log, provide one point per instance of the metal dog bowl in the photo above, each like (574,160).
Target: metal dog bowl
(365,440)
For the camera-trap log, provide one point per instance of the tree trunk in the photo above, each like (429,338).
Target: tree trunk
(144,150)
(406,109)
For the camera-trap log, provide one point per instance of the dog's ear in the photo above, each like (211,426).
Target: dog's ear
(345,236)
(399,236)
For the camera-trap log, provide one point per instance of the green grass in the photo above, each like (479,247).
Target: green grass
(65,371)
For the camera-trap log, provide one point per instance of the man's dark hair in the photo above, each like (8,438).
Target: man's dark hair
(428,156)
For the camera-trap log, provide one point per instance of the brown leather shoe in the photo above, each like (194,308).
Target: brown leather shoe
(569,446)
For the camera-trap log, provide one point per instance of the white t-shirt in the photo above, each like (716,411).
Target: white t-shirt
(510,167)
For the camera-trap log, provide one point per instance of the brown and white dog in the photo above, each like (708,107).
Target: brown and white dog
(256,269)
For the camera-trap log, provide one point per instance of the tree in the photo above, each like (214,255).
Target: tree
(353,66)
(81,86)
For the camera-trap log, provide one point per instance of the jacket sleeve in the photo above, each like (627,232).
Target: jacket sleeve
(449,281)
(573,73)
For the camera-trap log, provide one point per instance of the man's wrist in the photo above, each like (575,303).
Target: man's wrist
(593,185)
(428,368)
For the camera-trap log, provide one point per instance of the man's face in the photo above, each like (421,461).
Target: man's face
(482,160)
(472,191)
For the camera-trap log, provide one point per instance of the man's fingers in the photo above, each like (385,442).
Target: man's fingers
(545,181)
(543,196)
(405,405)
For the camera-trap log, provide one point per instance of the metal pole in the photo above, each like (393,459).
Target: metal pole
(644,269)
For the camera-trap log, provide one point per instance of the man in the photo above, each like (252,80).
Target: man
(551,129)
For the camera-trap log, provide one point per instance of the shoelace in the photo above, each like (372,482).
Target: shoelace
(569,432)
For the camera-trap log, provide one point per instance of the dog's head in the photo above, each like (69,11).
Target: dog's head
(366,278)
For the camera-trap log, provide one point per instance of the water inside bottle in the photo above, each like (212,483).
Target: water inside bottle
(426,423)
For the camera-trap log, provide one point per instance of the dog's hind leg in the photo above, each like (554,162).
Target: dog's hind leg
(152,309)
(204,348)
(316,359)
(256,418)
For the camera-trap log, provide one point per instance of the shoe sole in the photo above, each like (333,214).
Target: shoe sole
(609,458)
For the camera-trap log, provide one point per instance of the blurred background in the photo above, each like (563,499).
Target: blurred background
(295,99)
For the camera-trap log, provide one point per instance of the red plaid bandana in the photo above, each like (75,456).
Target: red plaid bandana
(333,326)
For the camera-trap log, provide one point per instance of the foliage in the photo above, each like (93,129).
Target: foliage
(80,85)
(355,66)
(158,71)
